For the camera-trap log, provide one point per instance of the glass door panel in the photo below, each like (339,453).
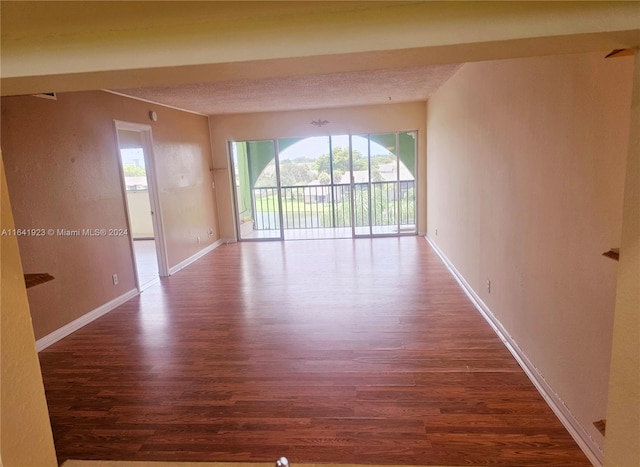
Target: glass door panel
(384,184)
(407,143)
(360,185)
(308,210)
(341,180)
(257,193)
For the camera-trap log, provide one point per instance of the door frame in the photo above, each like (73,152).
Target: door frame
(154,199)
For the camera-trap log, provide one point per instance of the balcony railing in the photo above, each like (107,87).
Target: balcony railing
(329,206)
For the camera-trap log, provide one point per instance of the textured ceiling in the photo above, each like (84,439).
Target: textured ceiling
(302,92)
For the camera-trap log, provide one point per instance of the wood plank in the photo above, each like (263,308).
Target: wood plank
(330,351)
(601,425)
(613,253)
(31,280)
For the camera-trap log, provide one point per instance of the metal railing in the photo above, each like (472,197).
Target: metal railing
(330,206)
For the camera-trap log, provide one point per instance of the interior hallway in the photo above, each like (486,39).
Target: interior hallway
(337,351)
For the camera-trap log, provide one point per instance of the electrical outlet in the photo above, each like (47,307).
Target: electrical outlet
(198,239)
(436,232)
(489,286)
(115,279)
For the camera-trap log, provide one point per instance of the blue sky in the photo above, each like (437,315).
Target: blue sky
(132,156)
(317,145)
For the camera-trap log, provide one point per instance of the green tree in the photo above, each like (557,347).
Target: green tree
(294,173)
(324,178)
(133,171)
(340,162)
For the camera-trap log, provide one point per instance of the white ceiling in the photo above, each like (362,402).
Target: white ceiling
(302,92)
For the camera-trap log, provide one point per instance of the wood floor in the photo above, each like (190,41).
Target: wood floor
(335,351)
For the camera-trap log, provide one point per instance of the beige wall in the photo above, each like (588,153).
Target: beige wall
(526,164)
(622,445)
(62,169)
(269,125)
(25,432)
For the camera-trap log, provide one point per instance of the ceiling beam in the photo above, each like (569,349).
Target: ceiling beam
(68,46)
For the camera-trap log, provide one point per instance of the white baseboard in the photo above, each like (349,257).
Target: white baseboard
(584,440)
(76,324)
(197,256)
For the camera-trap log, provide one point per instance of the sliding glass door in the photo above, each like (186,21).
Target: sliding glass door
(383,183)
(312,189)
(326,186)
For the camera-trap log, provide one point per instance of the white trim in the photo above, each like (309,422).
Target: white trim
(154,197)
(76,324)
(153,102)
(584,440)
(131,126)
(197,256)
(156,205)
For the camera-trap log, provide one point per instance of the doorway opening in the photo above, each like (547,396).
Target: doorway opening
(339,186)
(141,203)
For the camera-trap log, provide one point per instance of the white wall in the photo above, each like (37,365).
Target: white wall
(140,214)
(526,163)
